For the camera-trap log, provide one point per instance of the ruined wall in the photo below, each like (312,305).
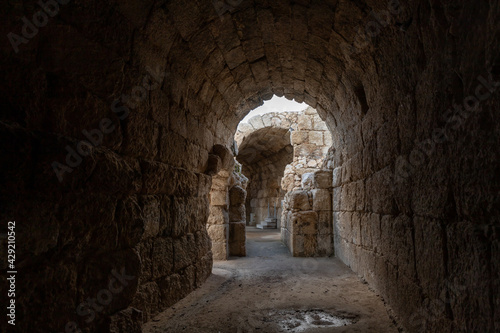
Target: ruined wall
(311,140)
(264,191)
(237,215)
(218,220)
(122,204)
(307,228)
(279,170)
(415,194)
(227,210)
(265,151)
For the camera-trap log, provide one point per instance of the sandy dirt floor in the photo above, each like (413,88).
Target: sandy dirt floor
(270,291)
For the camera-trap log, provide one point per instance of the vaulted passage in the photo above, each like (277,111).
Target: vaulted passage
(114,115)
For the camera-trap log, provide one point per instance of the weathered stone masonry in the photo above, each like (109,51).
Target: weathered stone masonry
(226,222)
(275,149)
(139,200)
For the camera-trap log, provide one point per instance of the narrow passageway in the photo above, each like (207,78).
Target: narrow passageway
(271,291)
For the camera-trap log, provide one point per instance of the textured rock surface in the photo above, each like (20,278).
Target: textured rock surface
(227,209)
(275,149)
(310,140)
(307,228)
(416,196)
(264,151)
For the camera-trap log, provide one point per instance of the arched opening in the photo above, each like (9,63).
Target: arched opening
(264,155)
(226,221)
(280,154)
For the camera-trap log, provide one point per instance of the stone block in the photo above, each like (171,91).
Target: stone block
(188,214)
(319,125)
(429,253)
(141,137)
(348,202)
(150,206)
(310,246)
(304,123)
(327,139)
(237,213)
(325,223)
(218,215)
(360,195)
(305,223)
(343,225)
(203,243)
(162,257)
(235,57)
(336,195)
(379,195)
(214,165)
(186,182)
(267,119)
(386,239)
(307,181)
(337,177)
(245,128)
(219,183)
(157,178)
(218,198)
(299,200)
(220,251)
(147,300)
(237,239)
(298,137)
(355,229)
(297,245)
(203,269)
(227,158)
(316,138)
(323,179)
(183,250)
(321,200)
(237,196)
(113,174)
(218,233)
(128,320)
(324,245)
(170,290)
(204,185)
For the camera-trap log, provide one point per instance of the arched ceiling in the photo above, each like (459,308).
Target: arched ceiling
(268,147)
(235,54)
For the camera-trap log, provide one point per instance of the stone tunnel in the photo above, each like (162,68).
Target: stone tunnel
(111,111)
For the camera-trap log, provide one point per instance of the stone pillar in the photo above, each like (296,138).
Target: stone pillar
(307,218)
(218,220)
(237,237)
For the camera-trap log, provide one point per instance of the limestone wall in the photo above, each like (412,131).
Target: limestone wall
(226,221)
(264,191)
(237,216)
(311,140)
(307,228)
(264,151)
(307,142)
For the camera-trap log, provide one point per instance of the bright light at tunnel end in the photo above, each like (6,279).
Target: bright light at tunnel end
(276,104)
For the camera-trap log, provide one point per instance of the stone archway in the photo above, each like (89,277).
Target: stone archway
(152,86)
(294,185)
(264,152)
